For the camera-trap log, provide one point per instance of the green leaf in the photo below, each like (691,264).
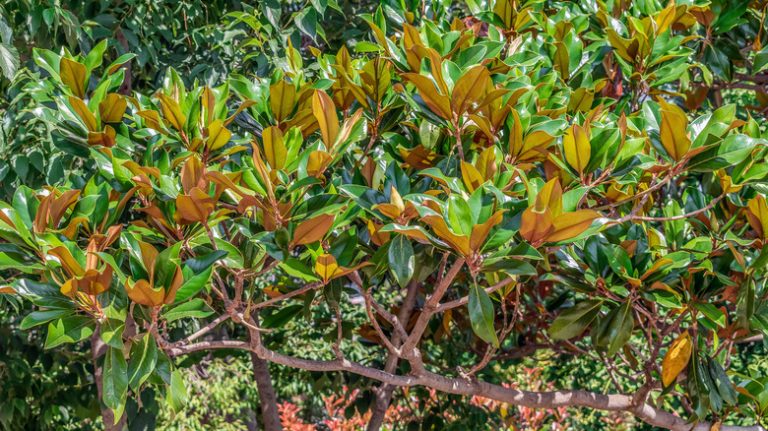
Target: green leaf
(573,321)
(401,259)
(280,318)
(460,217)
(166,264)
(621,328)
(142,361)
(712,313)
(745,303)
(177,391)
(114,382)
(196,308)
(193,284)
(9,60)
(481,315)
(699,386)
(272,11)
(721,381)
(615,329)
(728,152)
(203,262)
(96,55)
(760,62)
(296,268)
(68,330)
(37,318)
(306,21)
(111,332)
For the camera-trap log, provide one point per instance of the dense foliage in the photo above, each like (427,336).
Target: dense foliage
(435,198)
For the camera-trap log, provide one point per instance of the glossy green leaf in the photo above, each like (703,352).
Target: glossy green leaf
(481,315)
(401,259)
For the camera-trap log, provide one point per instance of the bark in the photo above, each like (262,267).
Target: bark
(267,397)
(383,394)
(127,85)
(98,348)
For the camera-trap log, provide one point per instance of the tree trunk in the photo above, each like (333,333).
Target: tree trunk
(267,397)
(127,85)
(383,394)
(98,348)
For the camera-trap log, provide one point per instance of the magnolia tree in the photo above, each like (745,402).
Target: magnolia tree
(530,178)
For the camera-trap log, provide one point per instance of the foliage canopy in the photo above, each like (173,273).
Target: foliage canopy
(482,182)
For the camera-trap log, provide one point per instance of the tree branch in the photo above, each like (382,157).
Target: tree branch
(460,386)
(408,348)
(462,301)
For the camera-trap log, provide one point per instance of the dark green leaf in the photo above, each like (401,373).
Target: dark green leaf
(481,315)
(573,321)
(401,259)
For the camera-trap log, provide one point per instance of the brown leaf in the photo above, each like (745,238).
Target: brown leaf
(82,111)
(469,89)
(73,76)
(193,208)
(141,292)
(312,230)
(112,108)
(480,232)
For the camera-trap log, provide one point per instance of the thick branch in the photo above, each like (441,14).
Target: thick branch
(409,349)
(569,398)
(384,391)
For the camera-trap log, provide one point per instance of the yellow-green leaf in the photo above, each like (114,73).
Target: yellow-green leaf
(282,98)
(571,225)
(676,359)
(274,147)
(471,176)
(317,162)
(218,135)
(172,112)
(326,267)
(673,130)
(577,148)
